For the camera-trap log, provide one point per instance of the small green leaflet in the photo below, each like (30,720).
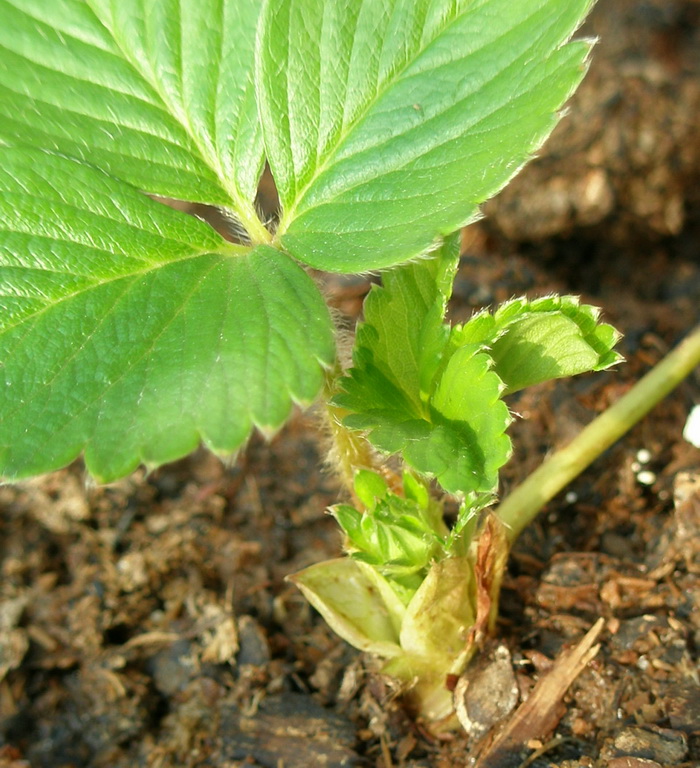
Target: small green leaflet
(404,325)
(394,119)
(131,331)
(539,340)
(440,406)
(158,93)
(446,419)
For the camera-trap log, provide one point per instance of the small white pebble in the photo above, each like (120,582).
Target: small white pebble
(645,477)
(643,663)
(571,497)
(691,431)
(643,456)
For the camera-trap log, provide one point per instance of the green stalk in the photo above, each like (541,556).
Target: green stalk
(520,507)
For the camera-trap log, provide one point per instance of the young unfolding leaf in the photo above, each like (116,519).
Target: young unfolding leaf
(535,341)
(395,118)
(445,417)
(370,487)
(462,442)
(131,331)
(448,420)
(392,539)
(397,535)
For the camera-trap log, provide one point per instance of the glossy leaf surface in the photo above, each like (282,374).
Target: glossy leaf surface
(159,94)
(395,118)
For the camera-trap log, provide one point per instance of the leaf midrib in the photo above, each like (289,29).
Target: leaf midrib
(289,215)
(96,285)
(178,115)
(239,205)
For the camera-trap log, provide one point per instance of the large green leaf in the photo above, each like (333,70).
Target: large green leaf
(387,122)
(131,331)
(158,93)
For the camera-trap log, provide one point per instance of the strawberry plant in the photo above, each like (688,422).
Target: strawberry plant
(131,332)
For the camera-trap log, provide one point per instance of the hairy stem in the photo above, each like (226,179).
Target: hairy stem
(520,507)
(256,230)
(350,450)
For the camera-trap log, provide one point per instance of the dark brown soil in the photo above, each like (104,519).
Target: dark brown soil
(148,623)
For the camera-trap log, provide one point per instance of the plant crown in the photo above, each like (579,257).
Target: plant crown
(130,331)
